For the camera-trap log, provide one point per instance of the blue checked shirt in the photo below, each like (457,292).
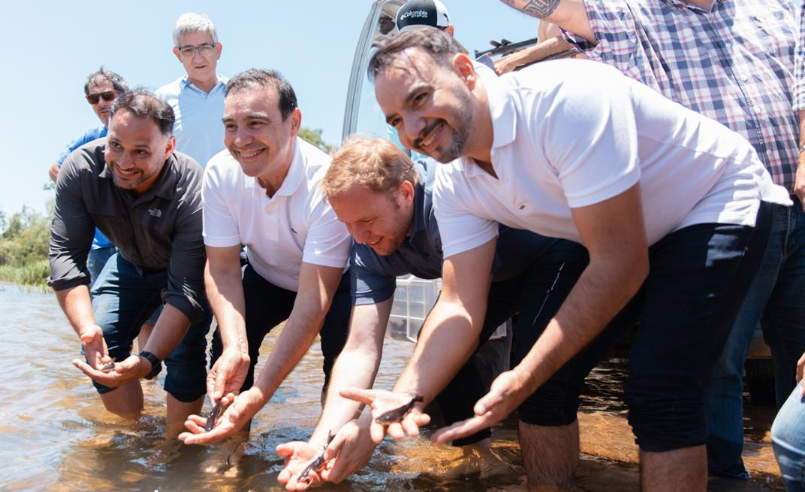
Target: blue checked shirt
(799,90)
(733,62)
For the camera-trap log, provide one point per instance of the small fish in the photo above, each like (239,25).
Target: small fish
(214,414)
(108,367)
(316,463)
(397,414)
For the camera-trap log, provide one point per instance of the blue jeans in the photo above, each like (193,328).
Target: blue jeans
(776,300)
(97,260)
(122,299)
(788,440)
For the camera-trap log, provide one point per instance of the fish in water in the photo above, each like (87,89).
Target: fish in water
(316,463)
(108,367)
(214,414)
(397,414)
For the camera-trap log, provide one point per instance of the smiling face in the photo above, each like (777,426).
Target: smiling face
(430,106)
(382,221)
(201,64)
(136,151)
(256,135)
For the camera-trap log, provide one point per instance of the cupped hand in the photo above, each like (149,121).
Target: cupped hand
(238,412)
(298,456)
(349,451)
(507,392)
(382,402)
(130,369)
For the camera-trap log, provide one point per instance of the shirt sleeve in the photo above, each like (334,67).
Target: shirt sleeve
(616,29)
(220,227)
(799,68)
(368,284)
(185,289)
(72,229)
(328,242)
(460,229)
(87,137)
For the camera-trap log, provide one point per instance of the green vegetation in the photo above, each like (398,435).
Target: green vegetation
(313,137)
(24,247)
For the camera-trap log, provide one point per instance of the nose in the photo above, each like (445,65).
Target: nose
(360,233)
(242,137)
(412,127)
(124,161)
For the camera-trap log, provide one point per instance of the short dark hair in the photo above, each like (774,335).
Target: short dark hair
(143,104)
(441,46)
(259,77)
(118,82)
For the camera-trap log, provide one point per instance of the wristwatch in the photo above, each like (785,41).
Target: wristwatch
(156,364)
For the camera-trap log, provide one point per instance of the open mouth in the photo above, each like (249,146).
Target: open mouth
(431,134)
(244,154)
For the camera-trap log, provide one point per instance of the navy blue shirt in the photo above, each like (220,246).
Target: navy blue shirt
(374,277)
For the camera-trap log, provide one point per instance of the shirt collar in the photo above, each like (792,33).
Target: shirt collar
(292,180)
(503,112)
(419,224)
(183,82)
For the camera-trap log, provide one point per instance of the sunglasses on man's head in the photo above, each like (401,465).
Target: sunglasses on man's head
(106,95)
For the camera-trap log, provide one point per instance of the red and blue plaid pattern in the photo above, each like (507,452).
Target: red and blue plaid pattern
(733,63)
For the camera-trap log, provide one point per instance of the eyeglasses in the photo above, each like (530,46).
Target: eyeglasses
(105,95)
(205,49)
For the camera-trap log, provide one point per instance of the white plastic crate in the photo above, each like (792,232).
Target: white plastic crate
(413,300)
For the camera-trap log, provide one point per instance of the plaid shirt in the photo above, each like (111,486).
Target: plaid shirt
(733,62)
(799,74)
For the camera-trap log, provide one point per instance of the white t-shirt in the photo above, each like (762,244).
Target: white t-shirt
(571,133)
(296,225)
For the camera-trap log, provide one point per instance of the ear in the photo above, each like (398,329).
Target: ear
(176,52)
(296,121)
(170,147)
(450,30)
(464,68)
(405,192)
(219,48)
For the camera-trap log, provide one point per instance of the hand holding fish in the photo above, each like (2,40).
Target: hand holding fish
(506,393)
(239,410)
(113,374)
(299,456)
(350,450)
(396,413)
(227,374)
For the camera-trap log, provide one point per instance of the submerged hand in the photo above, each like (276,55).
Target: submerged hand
(298,456)
(227,374)
(507,392)
(385,404)
(238,413)
(349,451)
(130,369)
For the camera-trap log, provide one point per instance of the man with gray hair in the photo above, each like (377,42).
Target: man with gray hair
(197,98)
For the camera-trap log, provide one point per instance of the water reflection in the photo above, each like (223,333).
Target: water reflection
(57,436)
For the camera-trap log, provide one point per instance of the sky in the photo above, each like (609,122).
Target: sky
(49,47)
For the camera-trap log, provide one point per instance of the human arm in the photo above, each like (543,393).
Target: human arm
(532,54)
(317,285)
(799,106)
(614,233)
(53,172)
(356,366)
(567,14)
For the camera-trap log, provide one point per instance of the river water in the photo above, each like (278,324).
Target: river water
(55,434)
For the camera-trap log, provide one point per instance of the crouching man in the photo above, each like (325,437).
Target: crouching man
(147,200)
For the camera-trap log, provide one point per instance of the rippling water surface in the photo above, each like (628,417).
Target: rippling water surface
(55,434)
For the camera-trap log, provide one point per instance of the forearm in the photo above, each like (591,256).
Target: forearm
(171,327)
(539,52)
(447,340)
(570,15)
(224,288)
(77,306)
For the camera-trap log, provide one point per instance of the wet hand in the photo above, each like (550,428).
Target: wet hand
(130,369)
(239,410)
(507,392)
(385,402)
(228,374)
(95,350)
(298,456)
(349,451)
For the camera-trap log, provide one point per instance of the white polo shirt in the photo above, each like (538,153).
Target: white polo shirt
(296,225)
(571,133)
(198,128)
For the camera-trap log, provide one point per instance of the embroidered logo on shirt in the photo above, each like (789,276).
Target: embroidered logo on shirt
(155,212)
